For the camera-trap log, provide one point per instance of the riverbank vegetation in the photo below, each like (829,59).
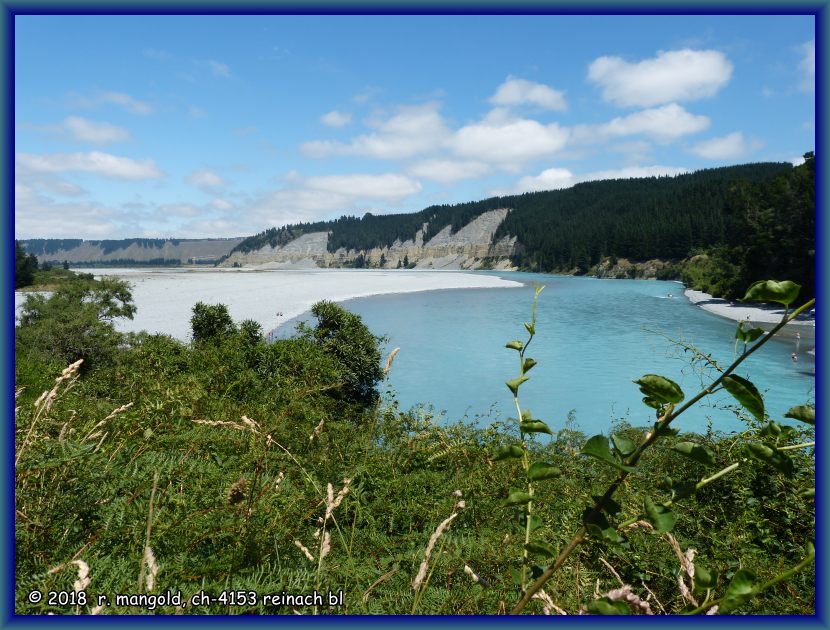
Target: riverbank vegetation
(234,468)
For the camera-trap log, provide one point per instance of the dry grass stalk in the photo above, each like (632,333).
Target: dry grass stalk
(439,531)
(83,574)
(304,549)
(236,493)
(279,481)
(687,564)
(389,360)
(94,431)
(246,425)
(624,594)
(333,502)
(47,398)
(152,568)
(380,580)
(149,529)
(613,571)
(548,607)
(325,546)
(45,401)
(317,430)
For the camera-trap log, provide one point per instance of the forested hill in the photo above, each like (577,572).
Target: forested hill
(644,218)
(573,228)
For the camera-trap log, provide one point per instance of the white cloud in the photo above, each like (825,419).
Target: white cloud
(508,142)
(205,179)
(807,66)
(412,130)
(219,69)
(221,204)
(557,178)
(387,186)
(96,162)
(726,147)
(96,132)
(677,75)
(662,124)
(313,198)
(196,112)
(520,92)
(335,118)
(180,209)
(449,171)
(37,216)
(126,101)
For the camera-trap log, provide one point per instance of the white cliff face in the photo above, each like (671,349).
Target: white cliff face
(185,251)
(308,249)
(466,249)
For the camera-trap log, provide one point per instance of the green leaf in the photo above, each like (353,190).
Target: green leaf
(698,452)
(748,336)
(535,426)
(775,458)
(783,292)
(543,549)
(598,520)
(530,328)
(809,493)
(623,445)
(507,452)
(704,579)
(539,471)
(599,527)
(659,515)
(682,490)
(660,388)
(738,592)
(517,498)
(513,385)
(598,448)
(515,576)
(604,606)
(771,429)
(535,523)
(745,393)
(805,413)
(665,431)
(515,345)
(610,506)
(654,404)
(528,364)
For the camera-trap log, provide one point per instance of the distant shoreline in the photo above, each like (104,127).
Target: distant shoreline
(765,317)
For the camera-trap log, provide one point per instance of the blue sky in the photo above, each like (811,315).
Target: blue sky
(217,126)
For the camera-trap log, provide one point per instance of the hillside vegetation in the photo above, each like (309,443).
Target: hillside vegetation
(740,223)
(237,469)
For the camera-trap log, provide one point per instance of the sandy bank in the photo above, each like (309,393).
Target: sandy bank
(765,317)
(165,297)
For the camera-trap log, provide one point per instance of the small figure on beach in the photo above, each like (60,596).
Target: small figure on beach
(669,295)
(794,357)
(797,340)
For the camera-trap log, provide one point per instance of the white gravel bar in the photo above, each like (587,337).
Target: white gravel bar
(765,317)
(165,297)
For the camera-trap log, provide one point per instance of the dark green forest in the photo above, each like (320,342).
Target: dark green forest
(748,214)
